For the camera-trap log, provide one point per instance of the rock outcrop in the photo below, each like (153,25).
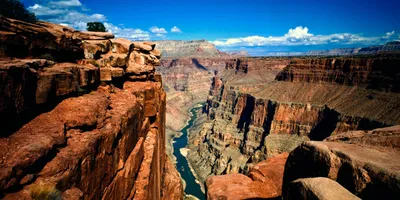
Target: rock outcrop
(260,108)
(318,188)
(190,49)
(373,73)
(390,47)
(333,52)
(366,168)
(264,180)
(350,165)
(75,139)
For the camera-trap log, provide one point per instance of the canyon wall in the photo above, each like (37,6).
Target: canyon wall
(190,49)
(187,82)
(348,165)
(256,111)
(84,116)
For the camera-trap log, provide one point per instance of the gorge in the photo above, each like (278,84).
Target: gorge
(85,115)
(258,108)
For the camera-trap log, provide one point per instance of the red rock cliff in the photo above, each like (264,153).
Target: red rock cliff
(252,116)
(75,139)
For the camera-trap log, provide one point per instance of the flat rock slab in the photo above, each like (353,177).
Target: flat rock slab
(367,172)
(319,189)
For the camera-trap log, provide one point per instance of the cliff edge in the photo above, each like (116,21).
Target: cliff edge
(84,116)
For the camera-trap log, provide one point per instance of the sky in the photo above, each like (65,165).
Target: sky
(258,26)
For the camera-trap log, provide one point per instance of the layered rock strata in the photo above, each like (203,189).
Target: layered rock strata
(368,169)
(106,144)
(263,181)
(255,112)
(350,165)
(192,49)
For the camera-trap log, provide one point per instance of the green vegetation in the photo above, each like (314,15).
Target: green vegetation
(96,27)
(16,10)
(94,62)
(44,192)
(47,56)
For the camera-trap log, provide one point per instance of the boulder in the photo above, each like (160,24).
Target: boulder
(263,181)
(94,48)
(317,189)
(140,46)
(121,45)
(234,186)
(368,173)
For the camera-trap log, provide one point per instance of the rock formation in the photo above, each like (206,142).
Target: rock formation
(264,180)
(189,49)
(90,113)
(368,166)
(333,52)
(350,165)
(260,107)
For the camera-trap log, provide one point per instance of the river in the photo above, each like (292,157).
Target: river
(192,188)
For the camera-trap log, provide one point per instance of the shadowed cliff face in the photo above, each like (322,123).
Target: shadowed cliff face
(82,140)
(187,82)
(258,108)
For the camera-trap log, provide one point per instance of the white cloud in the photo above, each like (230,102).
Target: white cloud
(388,35)
(175,29)
(157,30)
(129,33)
(66,3)
(45,11)
(301,36)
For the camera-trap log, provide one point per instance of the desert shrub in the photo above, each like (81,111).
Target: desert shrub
(47,56)
(16,10)
(94,62)
(45,192)
(96,27)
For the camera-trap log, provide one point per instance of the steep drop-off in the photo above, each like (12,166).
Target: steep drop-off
(257,111)
(66,136)
(187,82)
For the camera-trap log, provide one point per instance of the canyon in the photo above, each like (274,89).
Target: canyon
(83,116)
(260,108)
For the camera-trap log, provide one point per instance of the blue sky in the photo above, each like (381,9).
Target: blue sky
(259,26)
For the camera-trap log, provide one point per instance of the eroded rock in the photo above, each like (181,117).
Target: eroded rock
(318,188)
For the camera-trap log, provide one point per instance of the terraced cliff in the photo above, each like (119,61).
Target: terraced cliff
(190,49)
(89,128)
(257,111)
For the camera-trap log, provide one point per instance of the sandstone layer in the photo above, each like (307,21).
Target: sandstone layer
(367,168)
(190,49)
(260,107)
(75,139)
(349,165)
(263,181)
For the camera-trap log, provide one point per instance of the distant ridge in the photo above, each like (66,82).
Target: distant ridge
(390,47)
(192,48)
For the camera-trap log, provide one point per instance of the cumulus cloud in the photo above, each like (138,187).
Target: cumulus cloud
(66,3)
(175,29)
(72,13)
(388,35)
(45,11)
(129,33)
(301,36)
(157,30)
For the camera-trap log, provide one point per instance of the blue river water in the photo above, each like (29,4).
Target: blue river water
(182,165)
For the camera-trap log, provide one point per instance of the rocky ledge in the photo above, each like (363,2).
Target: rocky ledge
(364,165)
(258,108)
(90,112)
